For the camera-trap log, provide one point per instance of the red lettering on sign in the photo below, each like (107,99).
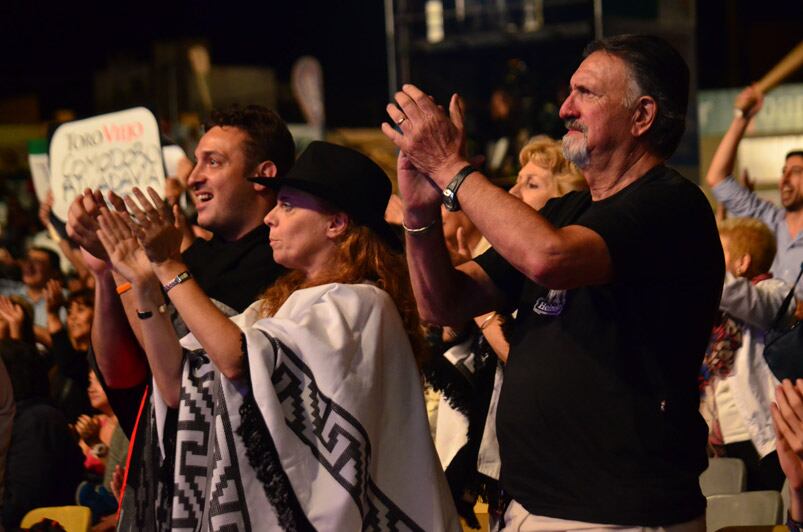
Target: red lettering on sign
(123,132)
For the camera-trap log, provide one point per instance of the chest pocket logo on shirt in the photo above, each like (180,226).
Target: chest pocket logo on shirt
(550,304)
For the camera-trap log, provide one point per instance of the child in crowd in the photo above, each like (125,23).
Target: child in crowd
(69,379)
(105,447)
(738,386)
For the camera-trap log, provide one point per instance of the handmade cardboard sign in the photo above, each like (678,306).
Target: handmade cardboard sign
(115,151)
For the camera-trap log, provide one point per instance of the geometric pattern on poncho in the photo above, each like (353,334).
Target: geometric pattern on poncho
(336,439)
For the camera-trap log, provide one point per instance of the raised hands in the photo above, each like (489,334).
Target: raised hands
(54,296)
(82,225)
(88,429)
(417,191)
(13,314)
(158,226)
(44,209)
(433,141)
(787,416)
(121,246)
(749,101)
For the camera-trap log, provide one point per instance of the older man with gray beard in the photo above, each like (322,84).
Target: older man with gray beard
(616,290)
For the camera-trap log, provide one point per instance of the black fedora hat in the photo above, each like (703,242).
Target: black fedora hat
(345,178)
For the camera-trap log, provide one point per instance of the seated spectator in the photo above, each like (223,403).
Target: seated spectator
(39,266)
(105,447)
(69,379)
(43,467)
(739,385)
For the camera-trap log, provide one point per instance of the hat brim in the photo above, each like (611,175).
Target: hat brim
(382,228)
(316,189)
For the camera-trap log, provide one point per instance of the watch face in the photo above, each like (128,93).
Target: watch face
(449,200)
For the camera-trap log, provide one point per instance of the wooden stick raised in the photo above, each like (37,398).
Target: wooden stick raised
(786,66)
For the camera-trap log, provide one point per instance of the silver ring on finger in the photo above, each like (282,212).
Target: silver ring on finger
(401,120)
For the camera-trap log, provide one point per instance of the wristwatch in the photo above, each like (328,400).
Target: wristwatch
(99,450)
(177,280)
(450,192)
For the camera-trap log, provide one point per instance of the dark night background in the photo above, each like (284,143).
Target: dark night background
(52,50)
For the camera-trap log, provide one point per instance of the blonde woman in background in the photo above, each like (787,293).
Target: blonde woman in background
(545,173)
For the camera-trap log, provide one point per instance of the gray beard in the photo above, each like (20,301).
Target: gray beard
(576,151)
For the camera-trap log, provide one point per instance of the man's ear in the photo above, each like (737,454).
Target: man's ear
(644,113)
(338,224)
(264,169)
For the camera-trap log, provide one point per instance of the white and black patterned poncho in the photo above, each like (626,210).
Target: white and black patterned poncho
(327,431)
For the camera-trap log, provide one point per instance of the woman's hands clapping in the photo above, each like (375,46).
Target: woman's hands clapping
(128,258)
(150,234)
(157,227)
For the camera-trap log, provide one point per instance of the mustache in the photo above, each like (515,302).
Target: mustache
(576,124)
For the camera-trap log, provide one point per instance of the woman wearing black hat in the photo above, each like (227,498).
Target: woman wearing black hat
(305,411)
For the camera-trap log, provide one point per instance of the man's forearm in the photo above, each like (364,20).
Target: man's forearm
(117,353)
(725,155)
(556,258)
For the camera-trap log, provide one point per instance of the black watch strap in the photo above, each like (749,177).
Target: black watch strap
(794,526)
(450,192)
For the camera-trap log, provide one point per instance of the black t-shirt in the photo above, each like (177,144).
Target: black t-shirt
(234,273)
(598,416)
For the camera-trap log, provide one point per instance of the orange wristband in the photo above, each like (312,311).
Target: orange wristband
(123,288)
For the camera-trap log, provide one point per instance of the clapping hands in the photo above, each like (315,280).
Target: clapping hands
(116,234)
(787,416)
(157,227)
(88,429)
(150,234)
(14,316)
(54,296)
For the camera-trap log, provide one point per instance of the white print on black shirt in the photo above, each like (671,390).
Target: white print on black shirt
(551,304)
